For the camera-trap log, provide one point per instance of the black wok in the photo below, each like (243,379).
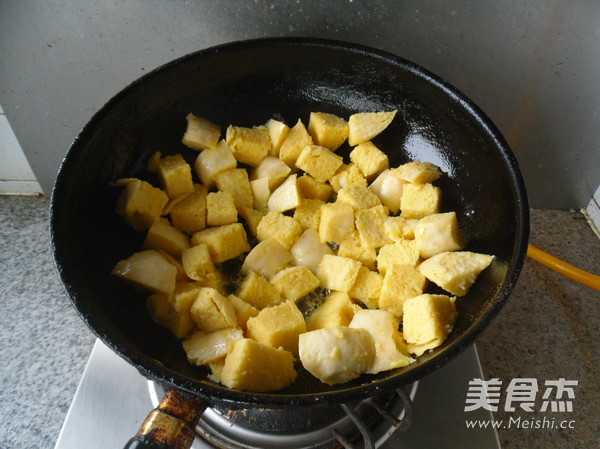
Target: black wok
(247,83)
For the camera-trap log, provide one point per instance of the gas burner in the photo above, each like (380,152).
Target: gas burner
(366,424)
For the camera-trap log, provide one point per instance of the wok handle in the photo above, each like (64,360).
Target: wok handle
(171,424)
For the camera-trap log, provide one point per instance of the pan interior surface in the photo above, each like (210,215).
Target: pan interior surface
(246,84)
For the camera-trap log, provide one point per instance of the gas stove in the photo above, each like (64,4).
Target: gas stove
(113,399)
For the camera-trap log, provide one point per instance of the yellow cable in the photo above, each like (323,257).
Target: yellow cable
(568,270)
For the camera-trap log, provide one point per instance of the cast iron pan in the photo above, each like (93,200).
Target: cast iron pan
(246,83)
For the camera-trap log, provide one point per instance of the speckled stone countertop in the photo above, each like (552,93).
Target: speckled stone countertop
(548,330)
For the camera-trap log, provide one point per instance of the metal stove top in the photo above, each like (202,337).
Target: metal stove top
(113,399)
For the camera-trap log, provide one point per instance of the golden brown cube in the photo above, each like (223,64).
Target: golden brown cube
(220,209)
(248,145)
(354,249)
(243,310)
(337,272)
(278,326)
(419,172)
(327,130)
(367,287)
(197,262)
(308,213)
(402,252)
(258,292)
(163,236)
(295,282)
(314,189)
(224,242)
(236,182)
(281,228)
(400,283)
(253,366)
(337,310)
(141,204)
(319,162)
(346,176)
(420,200)
(200,133)
(293,144)
(175,176)
(212,311)
(369,159)
(359,197)
(189,214)
(369,223)
(427,321)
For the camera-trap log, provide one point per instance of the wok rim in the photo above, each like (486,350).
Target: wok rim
(210,391)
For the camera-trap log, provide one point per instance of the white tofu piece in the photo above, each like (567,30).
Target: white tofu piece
(364,126)
(336,354)
(438,233)
(308,250)
(390,350)
(337,222)
(213,161)
(272,168)
(389,187)
(286,196)
(267,258)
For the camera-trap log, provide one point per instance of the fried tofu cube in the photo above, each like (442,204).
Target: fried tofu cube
(437,233)
(319,162)
(308,213)
(390,350)
(220,209)
(353,248)
(357,196)
(224,242)
(427,321)
(308,250)
(369,223)
(243,310)
(248,145)
(211,311)
(337,222)
(314,189)
(346,176)
(278,131)
(286,197)
(400,283)
(420,200)
(252,218)
(140,203)
(336,354)
(180,276)
(419,172)
(281,228)
(213,161)
(402,252)
(260,192)
(295,282)
(197,262)
(293,144)
(327,130)
(337,310)
(364,126)
(367,287)
(272,168)
(338,272)
(200,133)
(203,348)
(175,176)
(389,187)
(278,326)
(152,165)
(236,182)
(399,228)
(267,258)
(189,214)
(163,236)
(455,271)
(253,366)
(369,159)
(258,292)
(173,310)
